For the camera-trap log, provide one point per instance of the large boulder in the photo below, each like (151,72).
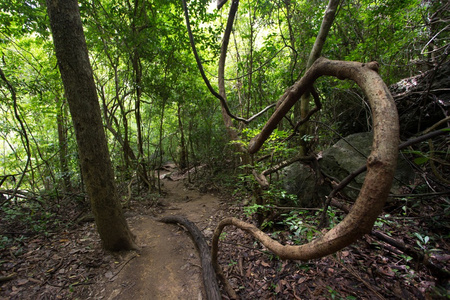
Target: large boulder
(304,182)
(337,162)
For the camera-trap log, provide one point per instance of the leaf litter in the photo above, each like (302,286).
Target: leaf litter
(70,264)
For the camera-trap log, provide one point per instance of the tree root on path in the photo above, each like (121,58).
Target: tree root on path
(209,277)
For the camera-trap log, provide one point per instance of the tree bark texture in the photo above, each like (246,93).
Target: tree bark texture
(209,277)
(380,164)
(78,80)
(327,21)
(221,72)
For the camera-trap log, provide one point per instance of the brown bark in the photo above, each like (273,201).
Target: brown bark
(315,53)
(232,133)
(62,142)
(76,73)
(209,277)
(380,164)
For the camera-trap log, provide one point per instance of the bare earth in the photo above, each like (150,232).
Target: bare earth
(70,263)
(168,267)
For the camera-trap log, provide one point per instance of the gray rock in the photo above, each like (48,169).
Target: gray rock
(302,181)
(338,162)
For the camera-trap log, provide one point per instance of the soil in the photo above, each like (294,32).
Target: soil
(168,267)
(70,263)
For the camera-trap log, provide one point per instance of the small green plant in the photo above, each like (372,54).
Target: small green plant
(232,263)
(253,209)
(384,222)
(267,225)
(5,242)
(223,236)
(333,293)
(422,241)
(304,267)
(300,231)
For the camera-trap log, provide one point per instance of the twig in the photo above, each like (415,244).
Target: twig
(436,271)
(205,79)
(355,173)
(22,126)
(8,277)
(353,272)
(123,265)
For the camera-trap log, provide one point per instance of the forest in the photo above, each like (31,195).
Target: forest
(284,149)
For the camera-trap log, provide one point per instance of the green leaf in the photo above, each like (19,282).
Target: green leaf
(421,160)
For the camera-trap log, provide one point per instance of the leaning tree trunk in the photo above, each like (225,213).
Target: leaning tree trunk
(78,80)
(232,133)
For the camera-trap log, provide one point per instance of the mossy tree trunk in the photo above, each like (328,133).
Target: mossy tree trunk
(77,76)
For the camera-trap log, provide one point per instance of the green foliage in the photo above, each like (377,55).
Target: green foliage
(268,52)
(30,218)
(297,223)
(422,241)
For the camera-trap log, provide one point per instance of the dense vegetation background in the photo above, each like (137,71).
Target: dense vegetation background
(157,109)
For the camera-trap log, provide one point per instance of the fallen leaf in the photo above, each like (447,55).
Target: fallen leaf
(22,281)
(109,274)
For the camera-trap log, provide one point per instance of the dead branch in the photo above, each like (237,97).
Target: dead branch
(8,277)
(417,256)
(24,134)
(286,163)
(209,278)
(420,257)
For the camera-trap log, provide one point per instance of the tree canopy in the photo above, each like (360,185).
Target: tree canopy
(200,94)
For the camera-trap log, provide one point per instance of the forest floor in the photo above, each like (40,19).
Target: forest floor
(70,264)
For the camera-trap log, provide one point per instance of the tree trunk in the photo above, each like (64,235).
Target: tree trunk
(328,18)
(77,76)
(137,73)
(232,133)
(62,141)
(183,150)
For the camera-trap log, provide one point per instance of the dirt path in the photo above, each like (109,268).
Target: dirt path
(168,267)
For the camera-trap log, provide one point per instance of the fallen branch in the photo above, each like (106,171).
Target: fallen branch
(8,277)
(417,256)
(209,278)
(286,163)
(439,273)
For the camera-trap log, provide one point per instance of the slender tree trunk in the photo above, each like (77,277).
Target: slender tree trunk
(78,80)
(142,169)
(315,53)
(183,151)
(62,141)
(137,70)
(221,72)
(250,64)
